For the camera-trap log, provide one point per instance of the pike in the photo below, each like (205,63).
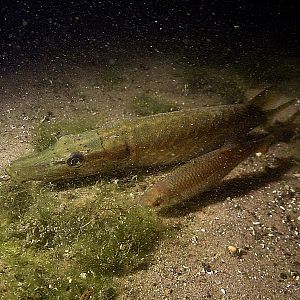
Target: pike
(200,174)
(207,171)
(162,139)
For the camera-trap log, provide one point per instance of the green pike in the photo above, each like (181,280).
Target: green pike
(161,139)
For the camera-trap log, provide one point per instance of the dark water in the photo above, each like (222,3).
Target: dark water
(207,28)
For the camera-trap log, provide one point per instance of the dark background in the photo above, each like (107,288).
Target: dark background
(29,28)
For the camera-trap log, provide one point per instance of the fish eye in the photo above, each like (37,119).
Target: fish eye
(75,159)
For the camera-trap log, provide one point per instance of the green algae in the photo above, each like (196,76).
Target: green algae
(41,275)
(145,104)
(15,200)
(58,244)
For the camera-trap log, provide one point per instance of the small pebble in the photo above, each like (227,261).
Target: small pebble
(232,250)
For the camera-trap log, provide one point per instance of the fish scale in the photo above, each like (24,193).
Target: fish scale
(180,136)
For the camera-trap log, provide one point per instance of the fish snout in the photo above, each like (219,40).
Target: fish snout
(157,196)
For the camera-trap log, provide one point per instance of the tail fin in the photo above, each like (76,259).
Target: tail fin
(266,100)
(273,114)
(280,131)
(286,129)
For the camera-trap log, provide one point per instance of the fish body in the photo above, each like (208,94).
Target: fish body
(161,139)
(200,174)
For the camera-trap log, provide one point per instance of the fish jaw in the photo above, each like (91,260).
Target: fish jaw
(72,156)
(48,165)
(41,166)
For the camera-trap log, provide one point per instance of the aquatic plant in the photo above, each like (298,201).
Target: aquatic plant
(61,243)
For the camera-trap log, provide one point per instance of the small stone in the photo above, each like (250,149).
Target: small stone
(233,250)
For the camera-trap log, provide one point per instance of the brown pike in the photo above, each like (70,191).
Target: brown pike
(200,174)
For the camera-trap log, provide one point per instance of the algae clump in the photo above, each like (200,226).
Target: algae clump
(62,243)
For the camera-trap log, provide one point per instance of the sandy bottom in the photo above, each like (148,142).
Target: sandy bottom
(256,210)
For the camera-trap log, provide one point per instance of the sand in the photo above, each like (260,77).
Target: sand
(256,210)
